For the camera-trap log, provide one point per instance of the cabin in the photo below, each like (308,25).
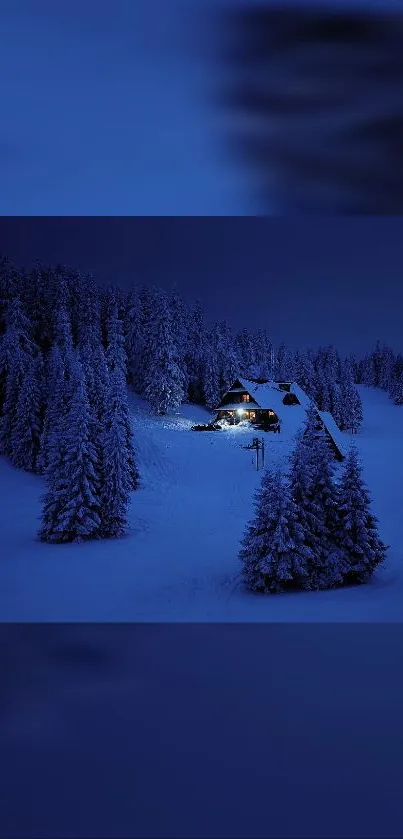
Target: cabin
(266,405)
(259,402)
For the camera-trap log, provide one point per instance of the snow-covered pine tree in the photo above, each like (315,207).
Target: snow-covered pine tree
(89,329)
(321,393)
(285,367)
(71,504)
(274,554)
(63,331)
(305,372)
(59,366)
(314,493)
(357,416)
(367,375)
(353,366)
(163,381)
(117,363)
(17,348)
(386,367)
(398,366)
(376,361)
(26,434)
(332,363)
(180,322)
(351,414)
(397,392)
(301,478)
(47,291)
(57,401)
(224,345)
(359,540)
(263,355)
(196,347)
(336,402)
(246,354)
(134,339)
(117,478)
(326,570)
(211,376)
(8,289)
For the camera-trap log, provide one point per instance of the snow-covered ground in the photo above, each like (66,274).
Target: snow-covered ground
(179,561)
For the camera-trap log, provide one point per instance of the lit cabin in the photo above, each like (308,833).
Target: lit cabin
(266,405)
(259,402)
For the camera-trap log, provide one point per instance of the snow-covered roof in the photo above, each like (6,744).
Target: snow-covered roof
(269,395)
(265,395)
(300,394)
(333,429)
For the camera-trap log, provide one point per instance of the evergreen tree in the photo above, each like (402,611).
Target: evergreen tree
(359,539)
(117,363)
(89,329)
(28,425)
(398,366)
(285,365)
(336,403)
(8,289)
(314,493)
(305,372)
(332,364)
(246,354)
(273,553)
(376,358)
(386,368)
(17,349)
(367,373)
(116,460)
(180,320)
(264,355)
(196,347)
(397,392)
(211,378)
(224,345)
(326,570)
(351,414)
(59,367)
(71,507)
(353,366)
(163,381)
(134,339)
(57,403)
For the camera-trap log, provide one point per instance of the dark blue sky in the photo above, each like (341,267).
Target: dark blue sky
(308,281)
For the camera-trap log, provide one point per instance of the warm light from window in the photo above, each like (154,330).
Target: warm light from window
(245,397)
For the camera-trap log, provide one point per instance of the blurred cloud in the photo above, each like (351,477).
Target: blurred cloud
(315,95)
(201,107)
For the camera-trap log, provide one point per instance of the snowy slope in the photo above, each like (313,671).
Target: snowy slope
(179,561)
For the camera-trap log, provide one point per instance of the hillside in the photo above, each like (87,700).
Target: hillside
(179,561)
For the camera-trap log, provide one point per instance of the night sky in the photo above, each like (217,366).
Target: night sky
(309,281)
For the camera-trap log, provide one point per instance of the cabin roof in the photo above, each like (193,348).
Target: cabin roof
(334,431)
(269,395)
